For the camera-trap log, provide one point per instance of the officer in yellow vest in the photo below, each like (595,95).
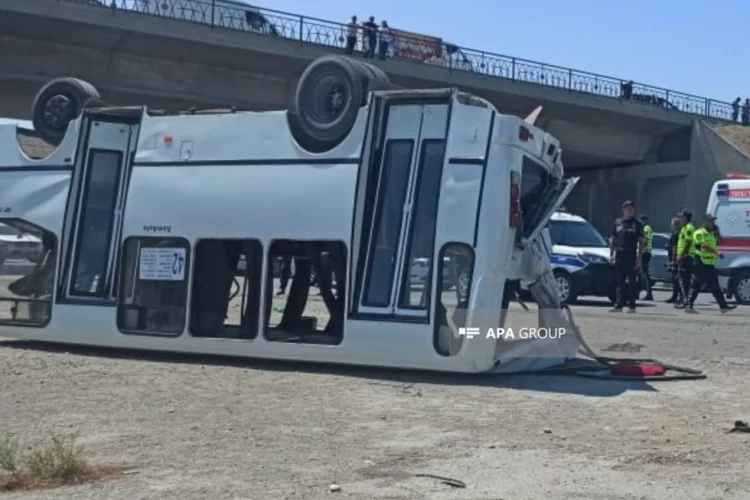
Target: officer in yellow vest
(684,255)
(648,233)
(705,243)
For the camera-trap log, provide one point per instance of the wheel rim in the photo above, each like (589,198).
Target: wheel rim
(743,290)
(463,284)
(328,99)
(563,288)
(58,111)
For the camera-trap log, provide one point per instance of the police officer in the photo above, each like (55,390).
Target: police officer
(648,233)
(685,253)
(705,243)
(627,245)
(672,256)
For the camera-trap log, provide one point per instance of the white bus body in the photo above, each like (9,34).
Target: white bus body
(145,217)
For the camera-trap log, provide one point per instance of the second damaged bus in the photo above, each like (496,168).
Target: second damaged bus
(160,232)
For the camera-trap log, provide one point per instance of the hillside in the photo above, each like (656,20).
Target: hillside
(736,135)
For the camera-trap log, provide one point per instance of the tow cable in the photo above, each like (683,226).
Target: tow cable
(621,368)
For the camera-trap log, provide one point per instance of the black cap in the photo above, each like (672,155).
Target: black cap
(684,213)
(709,217)
(643,217)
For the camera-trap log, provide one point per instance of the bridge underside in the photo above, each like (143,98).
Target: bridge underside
(170,64)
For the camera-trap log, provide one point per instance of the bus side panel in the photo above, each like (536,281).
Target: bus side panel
(495,240)
(258,201)
(35,197)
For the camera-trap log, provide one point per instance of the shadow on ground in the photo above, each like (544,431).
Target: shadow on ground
(564,383)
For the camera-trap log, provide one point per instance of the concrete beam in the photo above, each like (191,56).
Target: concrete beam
(36,62)
(78,24)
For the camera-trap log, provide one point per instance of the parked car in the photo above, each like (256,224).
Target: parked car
(659,266)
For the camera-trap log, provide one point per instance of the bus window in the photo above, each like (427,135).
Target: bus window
(421,244)
(226,289)
(153,286)
(456,267)
(28,258)
(294,312)
(387,227)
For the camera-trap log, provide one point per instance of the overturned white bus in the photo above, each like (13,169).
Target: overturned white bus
(160,232)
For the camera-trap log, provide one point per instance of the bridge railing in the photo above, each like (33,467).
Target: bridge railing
(230,14)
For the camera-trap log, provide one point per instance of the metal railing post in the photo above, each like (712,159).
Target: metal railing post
(513,68)
(301,28)
(213,13)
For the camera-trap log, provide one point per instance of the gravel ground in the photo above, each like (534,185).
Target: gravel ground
(216,429)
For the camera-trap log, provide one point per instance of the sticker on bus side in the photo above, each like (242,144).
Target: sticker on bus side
(739,193)
(162,264)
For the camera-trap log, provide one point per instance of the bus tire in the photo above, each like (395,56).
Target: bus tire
(329,95)
(58,103)
(378,79)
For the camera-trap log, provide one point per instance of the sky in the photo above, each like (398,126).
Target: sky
(693,46)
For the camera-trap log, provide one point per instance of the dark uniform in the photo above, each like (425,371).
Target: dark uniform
(626,235)
(672,249)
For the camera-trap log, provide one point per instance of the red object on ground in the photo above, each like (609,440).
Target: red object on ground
(637,370)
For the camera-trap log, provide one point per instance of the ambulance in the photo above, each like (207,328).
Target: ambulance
(729,202)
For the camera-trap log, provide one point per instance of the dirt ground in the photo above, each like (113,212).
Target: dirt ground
(217,429)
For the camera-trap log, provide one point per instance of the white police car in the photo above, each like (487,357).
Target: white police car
(580,259)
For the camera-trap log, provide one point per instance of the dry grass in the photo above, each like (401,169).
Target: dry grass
(47,463)
(737,135)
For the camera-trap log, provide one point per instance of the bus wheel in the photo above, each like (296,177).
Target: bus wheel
(329,95)
(564,285)
(741,288)
(57,104)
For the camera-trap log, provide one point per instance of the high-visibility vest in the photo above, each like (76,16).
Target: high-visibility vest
(649,235)
(701,237)
(686,234)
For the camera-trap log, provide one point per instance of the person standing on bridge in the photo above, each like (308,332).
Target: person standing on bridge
(370,29)
(685,253)
(746,113)
(736,109)
(627,245)
(707,255)
(648,233)
(351,35)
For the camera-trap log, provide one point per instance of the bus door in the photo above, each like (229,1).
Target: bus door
(397,238)
(94,213)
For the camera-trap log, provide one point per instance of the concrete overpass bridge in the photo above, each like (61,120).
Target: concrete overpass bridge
(179,53)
